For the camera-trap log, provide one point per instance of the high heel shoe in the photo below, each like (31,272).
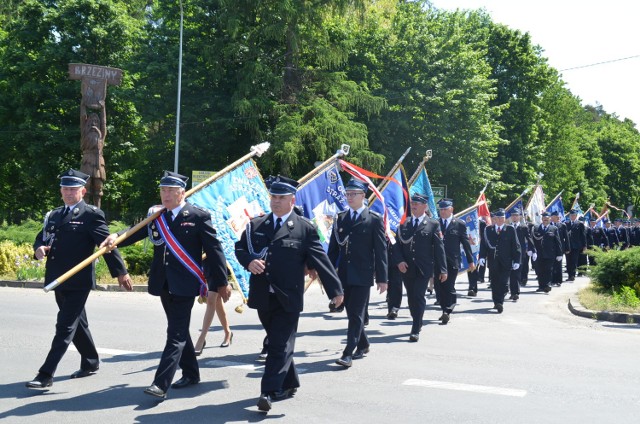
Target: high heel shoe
(227,344)
(199,352)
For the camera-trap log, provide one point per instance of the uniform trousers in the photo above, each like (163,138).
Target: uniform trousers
(446,290)
(499,278)
(281,327)
(394,289)
(524,270)
(178,350)
(356,300)
(572,262)
(416,285)
(557,272)
(473,277)
(71,327)
(545,269)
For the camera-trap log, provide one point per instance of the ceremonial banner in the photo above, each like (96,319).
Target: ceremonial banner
(233,200)
(483,208)
(556,205)
(394,197)
(470,218)
(422,186)
(536,205)
(321,199)
(576,206)
(518,205)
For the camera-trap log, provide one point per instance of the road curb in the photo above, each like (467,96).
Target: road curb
(40,285)
(577,309)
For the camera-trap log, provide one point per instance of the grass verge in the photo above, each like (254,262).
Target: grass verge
(592,298)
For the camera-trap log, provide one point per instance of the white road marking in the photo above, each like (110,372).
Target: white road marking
(112,352)
(466,387)
(211,362)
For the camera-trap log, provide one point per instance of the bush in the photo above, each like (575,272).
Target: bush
(24,233)
(30,269)
(138,257)
(616,269)
(625,297)
(11,256)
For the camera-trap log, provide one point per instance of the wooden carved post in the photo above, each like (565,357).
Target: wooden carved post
(93,122)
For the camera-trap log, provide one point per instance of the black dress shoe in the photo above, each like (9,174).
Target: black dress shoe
(264,402)
(516,297)
(284,393)
(546,289)
(471,293)
(184,382)
(393,314)
(83,373)
(445,318)
(359,353)
(539,290)
(156,391)
(40,382)
(345,361)
(414,337)
(499,307)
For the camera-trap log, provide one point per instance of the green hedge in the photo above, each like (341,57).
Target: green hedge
(616,269)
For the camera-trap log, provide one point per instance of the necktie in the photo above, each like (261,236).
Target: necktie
(499,229)
(169,215)
(415,223)
(66,211)
(443,223)
(278,225)
(354,216)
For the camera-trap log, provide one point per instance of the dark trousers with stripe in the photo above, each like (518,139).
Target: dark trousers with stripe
(178,350)
(72,326)
(356,300)
(281,327)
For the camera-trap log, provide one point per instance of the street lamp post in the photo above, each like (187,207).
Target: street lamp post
(177,154)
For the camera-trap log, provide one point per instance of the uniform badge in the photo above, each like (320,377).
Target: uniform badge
(76,211)
(290,224)
(155,234)
(185,213)
(267,222)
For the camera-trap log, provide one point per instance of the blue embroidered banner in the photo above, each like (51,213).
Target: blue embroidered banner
(422,186)
(321,199)
(473,232)
(233,200)
(394,199)
(518,205)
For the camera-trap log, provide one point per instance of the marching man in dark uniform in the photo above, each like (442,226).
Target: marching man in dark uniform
(556,280)
(596,236)
(623,234)
(612,234)
(503,248)
(455,236)
(419,251)
(358,249)
(477,275)
(278,249)
(69,236)
(180,236)
(527,250)
(549,251)
(577,243)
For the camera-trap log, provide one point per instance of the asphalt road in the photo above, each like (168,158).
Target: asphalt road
(535,363)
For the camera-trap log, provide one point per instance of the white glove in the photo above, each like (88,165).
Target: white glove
(602,246)
(515,266)
(534,256)
(529,253)
(559,258)
(481,262)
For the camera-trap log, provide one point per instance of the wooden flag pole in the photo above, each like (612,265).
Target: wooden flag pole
(257,150)
(342,151)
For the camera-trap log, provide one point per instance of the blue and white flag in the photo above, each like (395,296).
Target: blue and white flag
(556,205)
(518,205)
(321,199)
(394,197)
(473,232)
(233,200)
(422,186)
